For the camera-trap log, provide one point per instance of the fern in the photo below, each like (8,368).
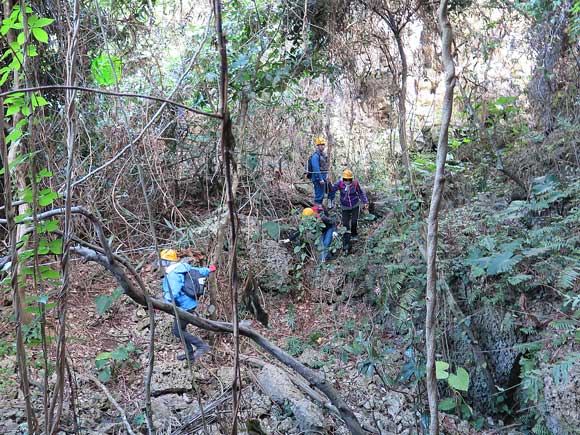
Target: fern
(568,325)
(561,371)
(540,428)
(518,279)
(568,277)
(503,262)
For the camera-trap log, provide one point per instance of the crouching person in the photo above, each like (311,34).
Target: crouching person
(328,230)
(184,284)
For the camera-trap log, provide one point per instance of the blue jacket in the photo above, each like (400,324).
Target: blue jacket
(319,166)
(350,195)
(174,281)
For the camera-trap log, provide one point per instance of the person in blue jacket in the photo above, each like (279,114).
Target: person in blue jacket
(183,283)
(351,196)
(319,174)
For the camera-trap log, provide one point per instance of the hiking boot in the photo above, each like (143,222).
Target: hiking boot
(353,238)
(330,204)
(183,357)
(199,352)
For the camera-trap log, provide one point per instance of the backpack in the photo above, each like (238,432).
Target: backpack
(192,287)
(309,167)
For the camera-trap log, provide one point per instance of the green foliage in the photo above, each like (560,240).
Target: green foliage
(107,363)
(574,28)
(13,57)
(106,69)
(104,302)
(295,346)
(291,316)
(272,228)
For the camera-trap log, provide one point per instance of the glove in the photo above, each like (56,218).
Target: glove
(321,182)
(212,267)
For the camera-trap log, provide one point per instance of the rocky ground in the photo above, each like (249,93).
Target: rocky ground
(314,323)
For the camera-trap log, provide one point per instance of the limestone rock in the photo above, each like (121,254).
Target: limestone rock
(308,415)
(563,401)
(312,358)
(275,261)
(277,385)
(173,377)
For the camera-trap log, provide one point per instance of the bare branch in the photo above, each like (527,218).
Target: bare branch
(114,94)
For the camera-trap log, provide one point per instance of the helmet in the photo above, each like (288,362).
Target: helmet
(320,141)
(168,254)
(307,212)
(347,173)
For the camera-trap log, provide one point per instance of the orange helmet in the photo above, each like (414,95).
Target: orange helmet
(347,173)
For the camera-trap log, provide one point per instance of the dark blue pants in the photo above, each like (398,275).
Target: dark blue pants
(326,240)
(321,189)
(190,340)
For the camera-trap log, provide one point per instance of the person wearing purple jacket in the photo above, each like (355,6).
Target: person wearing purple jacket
(351,196)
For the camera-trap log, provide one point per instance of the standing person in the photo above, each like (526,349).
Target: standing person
(185,283)
(319,174)
(351,195)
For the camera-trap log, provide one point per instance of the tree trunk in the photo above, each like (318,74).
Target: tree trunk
(403,105)
(438,185)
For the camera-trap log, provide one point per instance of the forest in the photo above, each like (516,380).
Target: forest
(290,217)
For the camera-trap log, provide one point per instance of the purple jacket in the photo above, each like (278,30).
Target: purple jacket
(350,195)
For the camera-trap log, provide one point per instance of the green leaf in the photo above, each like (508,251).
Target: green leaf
(120,354)
(518,279)
(447,404)
(105,374)
(568,277)
(40,34)
(297,249)
(501,263)
(38,101)
(103,356)
(47,226)
(106,69)
(42,248)
(103,303)
(117,293)
(272,228)
(459,381)
(48,273)
(55,246)
(47,198)
(42,22)
(441,369)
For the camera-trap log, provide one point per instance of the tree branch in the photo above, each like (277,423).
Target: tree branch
(114,94)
